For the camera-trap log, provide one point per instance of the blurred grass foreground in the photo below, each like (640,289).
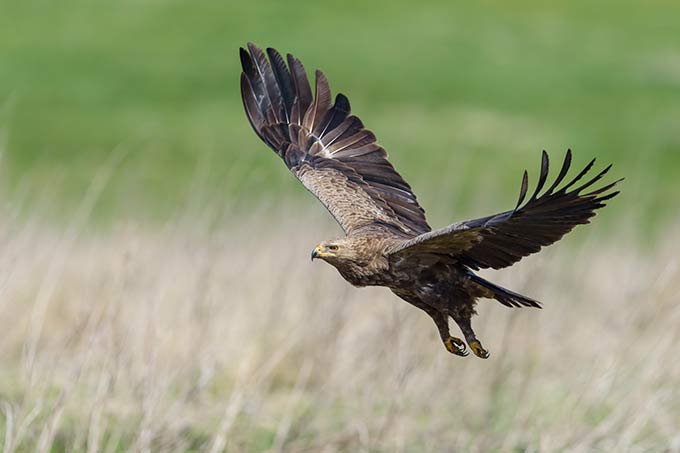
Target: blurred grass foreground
(155,286)
(192,339)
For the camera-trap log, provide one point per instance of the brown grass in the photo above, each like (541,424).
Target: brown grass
(191,337)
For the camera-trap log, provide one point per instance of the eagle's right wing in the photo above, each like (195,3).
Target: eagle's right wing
(503,239)
(325,147)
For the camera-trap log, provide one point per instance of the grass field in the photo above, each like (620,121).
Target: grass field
(155,286)
(196,338)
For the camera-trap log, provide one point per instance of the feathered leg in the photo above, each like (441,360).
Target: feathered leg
(462,315)
(452,344)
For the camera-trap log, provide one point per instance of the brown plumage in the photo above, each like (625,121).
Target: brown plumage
(387,240)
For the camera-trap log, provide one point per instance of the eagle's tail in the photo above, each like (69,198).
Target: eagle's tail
(505,296)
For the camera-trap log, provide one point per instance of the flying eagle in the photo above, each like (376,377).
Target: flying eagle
(387,240)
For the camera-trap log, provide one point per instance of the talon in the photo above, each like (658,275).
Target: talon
(456,346)
(479,351)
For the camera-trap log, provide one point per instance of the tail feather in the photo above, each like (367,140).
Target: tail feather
(505,296)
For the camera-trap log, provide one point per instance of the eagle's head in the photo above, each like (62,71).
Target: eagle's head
(355,257)
(334,251)
(348,251)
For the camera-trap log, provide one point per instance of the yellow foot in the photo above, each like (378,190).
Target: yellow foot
(479,351)
(455,346)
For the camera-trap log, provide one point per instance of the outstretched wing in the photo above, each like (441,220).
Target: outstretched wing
(501,240)
(326,147)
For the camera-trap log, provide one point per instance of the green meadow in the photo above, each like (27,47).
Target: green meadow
(463,95)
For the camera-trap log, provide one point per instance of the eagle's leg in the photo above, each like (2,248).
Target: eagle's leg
(452,344)
(463,321)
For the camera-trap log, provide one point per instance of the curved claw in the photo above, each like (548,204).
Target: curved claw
(479,350)
(456,346)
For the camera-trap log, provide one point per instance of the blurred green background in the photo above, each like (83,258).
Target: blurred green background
(463,95)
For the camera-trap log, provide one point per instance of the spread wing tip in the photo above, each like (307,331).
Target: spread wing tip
(537,196)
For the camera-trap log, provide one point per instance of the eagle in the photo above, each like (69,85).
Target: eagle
(387,240)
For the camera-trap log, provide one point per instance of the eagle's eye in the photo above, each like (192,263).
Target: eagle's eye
(333,248)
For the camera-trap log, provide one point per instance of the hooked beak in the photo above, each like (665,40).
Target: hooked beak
(319,252)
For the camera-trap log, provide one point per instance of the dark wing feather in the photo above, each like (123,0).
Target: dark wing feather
(326,147)
(283,80)
(301,87)
(321,105)
(501,240)
(270,88)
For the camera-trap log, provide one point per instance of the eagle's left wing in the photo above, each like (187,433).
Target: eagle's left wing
(501,240)
(326,147)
